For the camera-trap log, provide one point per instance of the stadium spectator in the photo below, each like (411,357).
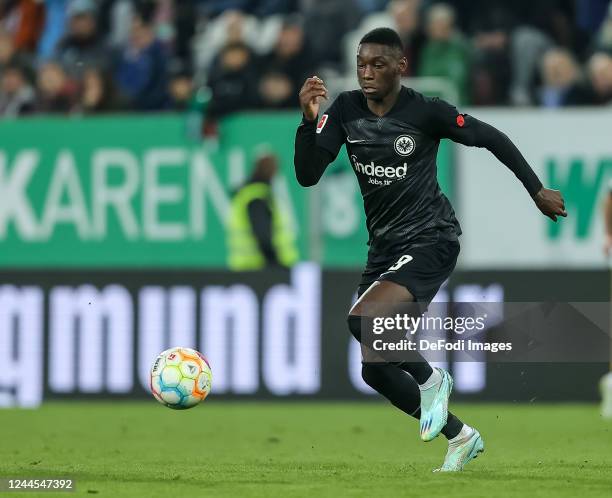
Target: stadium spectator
(407,19)
(528,45)
(401,15)
(561,83)
(97,93)
(326,22)
(180,87)
(185,18)
(141,67)
(276,91)
(16,93)
(491,72)
(115,19)
(233,80)
(55,92)
(550,17)
(53,29)
(24,20)
(600,76)
(286,67)
(291,54)
(82,47)
(445,54)
(255,56)
(233,27)
(9,53)
(7,48)
(163,20)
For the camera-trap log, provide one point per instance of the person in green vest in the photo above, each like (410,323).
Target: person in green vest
(259,235)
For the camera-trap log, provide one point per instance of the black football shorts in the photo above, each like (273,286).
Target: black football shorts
(422,269)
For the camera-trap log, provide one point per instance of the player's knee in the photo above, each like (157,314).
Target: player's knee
(354,325)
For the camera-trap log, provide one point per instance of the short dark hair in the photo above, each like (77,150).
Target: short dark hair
(384,36)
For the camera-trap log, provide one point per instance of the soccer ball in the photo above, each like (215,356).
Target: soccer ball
(180,378)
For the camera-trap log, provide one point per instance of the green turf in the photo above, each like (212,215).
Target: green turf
(303,449)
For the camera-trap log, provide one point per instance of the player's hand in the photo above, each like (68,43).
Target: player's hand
(550,202)
(311,94)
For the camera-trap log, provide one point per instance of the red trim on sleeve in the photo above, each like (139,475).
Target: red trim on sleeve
(322,123)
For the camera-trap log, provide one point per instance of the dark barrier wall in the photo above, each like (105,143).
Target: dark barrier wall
(81,334)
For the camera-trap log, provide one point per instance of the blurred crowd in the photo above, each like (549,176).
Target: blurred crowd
(95,56)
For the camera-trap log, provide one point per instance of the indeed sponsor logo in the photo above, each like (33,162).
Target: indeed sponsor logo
(385,172)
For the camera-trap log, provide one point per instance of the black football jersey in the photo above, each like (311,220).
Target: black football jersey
(394,159)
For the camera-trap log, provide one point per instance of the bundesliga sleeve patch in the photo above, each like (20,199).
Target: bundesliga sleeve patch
(322,123)
(460,120)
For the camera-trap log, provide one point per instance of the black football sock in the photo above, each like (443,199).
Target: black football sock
(395,385)
(418,367)
(396,382)
(403,392)
(453,426)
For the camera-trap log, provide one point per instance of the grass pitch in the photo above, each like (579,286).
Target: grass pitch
(303,449)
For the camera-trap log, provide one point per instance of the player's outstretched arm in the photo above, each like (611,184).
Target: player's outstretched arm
(470,131)
(309,159)
(549,202)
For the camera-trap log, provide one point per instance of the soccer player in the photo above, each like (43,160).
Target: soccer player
(392,134)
